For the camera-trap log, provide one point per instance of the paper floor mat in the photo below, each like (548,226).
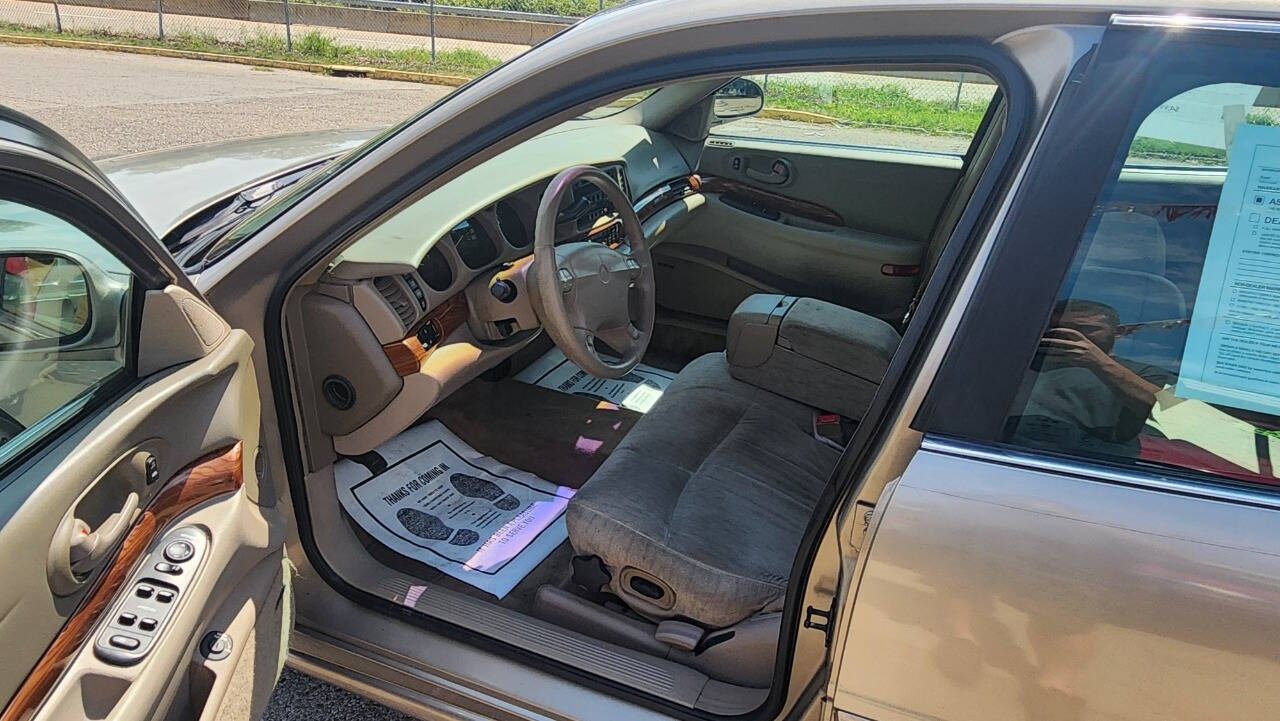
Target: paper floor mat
(638,391)
(436,500)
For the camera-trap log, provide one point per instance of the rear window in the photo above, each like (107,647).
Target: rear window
(1164,345)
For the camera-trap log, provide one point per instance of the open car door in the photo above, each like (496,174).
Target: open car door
(142,556)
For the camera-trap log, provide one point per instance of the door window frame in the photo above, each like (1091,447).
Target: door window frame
(1085,147)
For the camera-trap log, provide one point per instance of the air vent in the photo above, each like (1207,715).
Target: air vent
(397,297)
(717,143)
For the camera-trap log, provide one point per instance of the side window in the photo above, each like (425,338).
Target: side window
(1164,345)
(918,111)
(64,305)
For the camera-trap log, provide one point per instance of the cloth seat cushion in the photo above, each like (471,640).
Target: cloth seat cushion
(709,495)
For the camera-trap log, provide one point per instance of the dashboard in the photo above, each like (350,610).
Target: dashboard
(504,231)
(409,312)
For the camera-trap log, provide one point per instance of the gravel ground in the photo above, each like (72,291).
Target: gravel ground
(299,696)
(109,103)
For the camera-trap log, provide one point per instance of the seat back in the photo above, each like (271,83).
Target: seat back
(1124,268)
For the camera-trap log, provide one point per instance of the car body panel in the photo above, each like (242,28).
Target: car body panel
(1009,592)
(168,186)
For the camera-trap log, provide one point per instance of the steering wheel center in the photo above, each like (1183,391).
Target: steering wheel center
(584,291)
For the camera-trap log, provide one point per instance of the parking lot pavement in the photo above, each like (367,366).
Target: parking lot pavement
(109,103)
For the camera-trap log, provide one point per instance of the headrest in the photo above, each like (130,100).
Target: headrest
(1127,241)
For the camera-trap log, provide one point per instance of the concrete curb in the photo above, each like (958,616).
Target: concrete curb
(802,116)
(320,68)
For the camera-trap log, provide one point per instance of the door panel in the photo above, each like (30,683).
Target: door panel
(199,420)
(994,591)
(894,193)
(823,227)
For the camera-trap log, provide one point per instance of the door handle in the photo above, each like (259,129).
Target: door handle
(88,548)
(779,173)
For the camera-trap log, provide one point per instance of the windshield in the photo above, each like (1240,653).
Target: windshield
(269,209)
(616,106)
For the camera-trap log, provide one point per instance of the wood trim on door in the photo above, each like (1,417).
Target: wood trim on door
(214,475)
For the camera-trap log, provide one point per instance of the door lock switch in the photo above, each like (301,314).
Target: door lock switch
(128,643)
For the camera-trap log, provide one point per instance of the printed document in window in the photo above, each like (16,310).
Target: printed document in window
(1232,356)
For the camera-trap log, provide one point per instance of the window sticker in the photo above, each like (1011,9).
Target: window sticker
(1232,355)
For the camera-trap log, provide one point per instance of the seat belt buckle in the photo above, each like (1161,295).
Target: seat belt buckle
(831,429)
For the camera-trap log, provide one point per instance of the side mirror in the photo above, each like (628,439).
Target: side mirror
(737,98)
(44,299)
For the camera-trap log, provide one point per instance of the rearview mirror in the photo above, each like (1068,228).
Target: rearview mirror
(738,98)
(44,299)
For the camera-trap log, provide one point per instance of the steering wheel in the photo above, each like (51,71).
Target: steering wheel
(585,291)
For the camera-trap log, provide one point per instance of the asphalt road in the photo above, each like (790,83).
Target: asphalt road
(109,103)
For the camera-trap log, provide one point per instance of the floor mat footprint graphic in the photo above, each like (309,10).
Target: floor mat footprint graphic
(425,525)
(473,487)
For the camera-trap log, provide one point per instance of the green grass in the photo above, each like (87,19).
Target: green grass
(314,47)
(1175,152)
(884,105)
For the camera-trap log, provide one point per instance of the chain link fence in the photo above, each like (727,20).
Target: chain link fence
(463,36)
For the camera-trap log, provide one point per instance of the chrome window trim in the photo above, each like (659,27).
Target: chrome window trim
(1085,470)
(1195,22)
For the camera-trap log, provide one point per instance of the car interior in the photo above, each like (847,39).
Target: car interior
(584,397)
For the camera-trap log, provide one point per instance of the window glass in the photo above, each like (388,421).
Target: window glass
(920,111)
(1164,345)
(63,319)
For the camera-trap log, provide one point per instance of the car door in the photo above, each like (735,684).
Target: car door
(141,544)
(1087,528)
(829,192)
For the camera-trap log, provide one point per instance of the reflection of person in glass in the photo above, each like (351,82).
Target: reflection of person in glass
(1077,394)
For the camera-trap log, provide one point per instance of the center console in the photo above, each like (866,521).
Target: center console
(818,353)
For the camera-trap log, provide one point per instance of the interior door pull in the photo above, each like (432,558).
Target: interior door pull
(89,548)
(779,173)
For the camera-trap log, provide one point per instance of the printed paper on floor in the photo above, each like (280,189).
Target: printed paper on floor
(440,502)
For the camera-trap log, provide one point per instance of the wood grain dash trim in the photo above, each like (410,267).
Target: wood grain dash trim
(214,475)
(408,355)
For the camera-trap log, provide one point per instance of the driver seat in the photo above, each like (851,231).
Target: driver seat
(699,512)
